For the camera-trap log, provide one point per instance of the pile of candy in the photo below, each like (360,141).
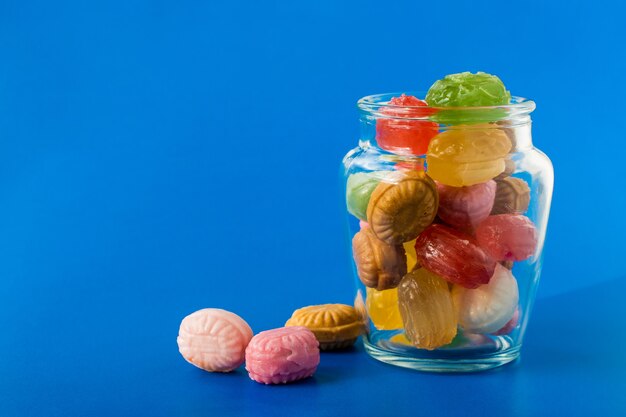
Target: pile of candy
(220,341)
(437,243)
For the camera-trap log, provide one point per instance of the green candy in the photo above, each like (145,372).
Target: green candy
(468,90)
(359,189)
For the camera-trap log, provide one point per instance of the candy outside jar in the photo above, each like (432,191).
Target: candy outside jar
(447,211)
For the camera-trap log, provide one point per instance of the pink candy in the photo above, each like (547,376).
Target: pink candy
(507,237)
(465,207)
(282,355)
(510,325)
(214,340)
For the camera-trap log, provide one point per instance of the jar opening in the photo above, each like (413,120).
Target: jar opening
(378,106)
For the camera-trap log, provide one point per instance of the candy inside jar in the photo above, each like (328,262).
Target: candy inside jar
(447,223)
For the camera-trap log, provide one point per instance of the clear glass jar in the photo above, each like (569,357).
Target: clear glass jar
(447,216)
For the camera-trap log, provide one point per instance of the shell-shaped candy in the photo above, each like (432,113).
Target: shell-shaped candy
(401,206)
(512,196)
(379,265)
(454,256)
(383,310)
(467,155)
(465,207)
(282,355)
(213,339)
(507,237)
(488,308)
(464,144)
(336,326)
(427,310)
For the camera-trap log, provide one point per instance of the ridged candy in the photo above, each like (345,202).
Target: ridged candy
(488,308)
(507,237)
(383,310)
(335,326)
(379,265)
(453,255)
(512,196)
(467,155)
(282,355)
(213,339)
(427,310)
(402,206)
(465,207)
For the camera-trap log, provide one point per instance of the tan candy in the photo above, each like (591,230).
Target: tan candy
(402,206)
(427,310)
(512,196)
(336,326)
(379,265)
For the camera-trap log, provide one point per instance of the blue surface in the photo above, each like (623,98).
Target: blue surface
(160,157)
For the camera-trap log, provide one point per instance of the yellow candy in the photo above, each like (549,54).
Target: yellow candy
(467,155)
(428,314)
(411,256)
(382,307)
(401,339)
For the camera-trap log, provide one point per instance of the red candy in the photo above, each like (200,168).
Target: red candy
(465,207)
(406,135)
(507,237)
(454,256)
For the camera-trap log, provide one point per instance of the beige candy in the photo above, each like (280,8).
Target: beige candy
(512,196)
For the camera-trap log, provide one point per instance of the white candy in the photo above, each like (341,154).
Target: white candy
(488,308)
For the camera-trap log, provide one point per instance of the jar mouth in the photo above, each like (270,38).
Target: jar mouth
(378,106)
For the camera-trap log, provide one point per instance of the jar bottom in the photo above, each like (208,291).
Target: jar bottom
(497,351)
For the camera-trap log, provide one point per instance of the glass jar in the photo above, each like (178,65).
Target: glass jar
(447,216)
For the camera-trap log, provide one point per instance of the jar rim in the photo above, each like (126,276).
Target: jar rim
(378,105)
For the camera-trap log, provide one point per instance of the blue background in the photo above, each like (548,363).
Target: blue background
(160,157)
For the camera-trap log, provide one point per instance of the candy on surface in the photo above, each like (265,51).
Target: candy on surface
(468,90)
(213,339)
(488,308)
(467,155)
(282,355)
(359,188)
(402,206)
(336,326)
(398,133)
(510,325)
(454,255)
(383,310)
(379,265)
(427,311)
(466,207)
(411,256)
(512,196)
(507,237)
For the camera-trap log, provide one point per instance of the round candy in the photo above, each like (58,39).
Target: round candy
(214,340)
(383,310)
(359,188)
(507,237)
(402,206)
(488,308)
(454,256)
(467,155)
(427,310)
(282,355)
(512,196)
(398,133)
(465,207)
(336,326)
(378,264)
(468,90)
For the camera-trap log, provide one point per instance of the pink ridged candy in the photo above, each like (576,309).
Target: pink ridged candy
(282,355)
(466,207)
(214,340)
(507,237)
